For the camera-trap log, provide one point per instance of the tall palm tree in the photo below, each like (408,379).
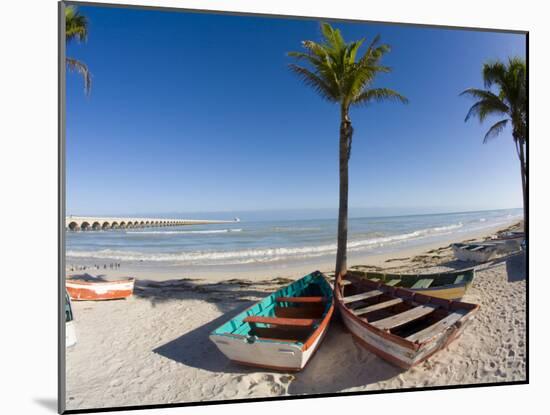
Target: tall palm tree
(340,77)
(510,102)
(76,28)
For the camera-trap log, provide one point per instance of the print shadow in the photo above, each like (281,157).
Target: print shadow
(341,363)
(195,349)
(49,403)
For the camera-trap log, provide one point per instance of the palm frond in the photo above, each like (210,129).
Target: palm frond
(495,130)
(334,70)
(332,36)
(488,104)
(311,79)
(80,67)
(493,73)
(380,94)
(76,25)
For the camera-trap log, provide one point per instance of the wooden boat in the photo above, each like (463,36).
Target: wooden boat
(509,242)
(70,332)
(451,285)
(511,235)
(283,330)
(399,325)
(476,252)
(94,288)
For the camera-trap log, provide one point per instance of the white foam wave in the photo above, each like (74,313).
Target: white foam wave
(244,256)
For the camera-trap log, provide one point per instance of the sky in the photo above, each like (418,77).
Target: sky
(193,112)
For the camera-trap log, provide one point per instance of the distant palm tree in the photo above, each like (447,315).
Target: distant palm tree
(339,77)
(509,102)
(76,28)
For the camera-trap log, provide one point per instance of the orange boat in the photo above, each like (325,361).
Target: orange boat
(91,288)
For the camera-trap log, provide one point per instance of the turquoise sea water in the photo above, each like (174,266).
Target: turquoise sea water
(265,241)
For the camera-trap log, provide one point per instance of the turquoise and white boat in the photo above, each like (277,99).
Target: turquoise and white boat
(283,330)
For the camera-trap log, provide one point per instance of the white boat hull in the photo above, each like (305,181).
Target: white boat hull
(70,334)
(269,354)
(464,254)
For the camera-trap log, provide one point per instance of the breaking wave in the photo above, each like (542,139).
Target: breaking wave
(254,255)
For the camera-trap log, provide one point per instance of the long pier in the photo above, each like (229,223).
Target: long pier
(87,223)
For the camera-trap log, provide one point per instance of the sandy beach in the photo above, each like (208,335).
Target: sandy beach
(153,348)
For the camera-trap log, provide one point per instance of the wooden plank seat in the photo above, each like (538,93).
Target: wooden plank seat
(478,248)
(393,282)
(301,300)
(343,283)
(281,321)
(436,328)
(423,283)
(379,306)
(361,296)
(405,317)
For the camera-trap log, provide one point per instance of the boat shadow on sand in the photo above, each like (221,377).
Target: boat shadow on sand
(195,349)
(349,364)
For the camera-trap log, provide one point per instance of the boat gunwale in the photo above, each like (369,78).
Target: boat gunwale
(464,284)
(415,346)
(72,280)
(432,274)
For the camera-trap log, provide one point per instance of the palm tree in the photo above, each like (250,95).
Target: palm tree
(338,76)
(510,102)
(76,28)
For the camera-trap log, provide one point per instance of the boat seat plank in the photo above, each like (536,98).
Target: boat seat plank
(301,300)
(459,279)
(393,282)
(361,296)
(281,321)
(345,282)
(423,283)
(404,317)
(379,306)
(478,248)
(431,331)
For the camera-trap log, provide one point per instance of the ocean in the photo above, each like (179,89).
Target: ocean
(271,242)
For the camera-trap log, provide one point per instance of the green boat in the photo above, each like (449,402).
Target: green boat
(450,285)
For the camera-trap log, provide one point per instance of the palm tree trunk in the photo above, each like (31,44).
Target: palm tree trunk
(523,184)
(345,138)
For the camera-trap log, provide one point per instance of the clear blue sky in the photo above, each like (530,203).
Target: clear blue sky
(198,112)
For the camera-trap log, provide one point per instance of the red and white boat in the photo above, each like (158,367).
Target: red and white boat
(92,288)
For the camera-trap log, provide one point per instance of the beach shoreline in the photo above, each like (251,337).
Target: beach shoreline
(154,347)
(284,269)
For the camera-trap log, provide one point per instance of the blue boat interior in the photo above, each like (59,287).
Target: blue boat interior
(309,299)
